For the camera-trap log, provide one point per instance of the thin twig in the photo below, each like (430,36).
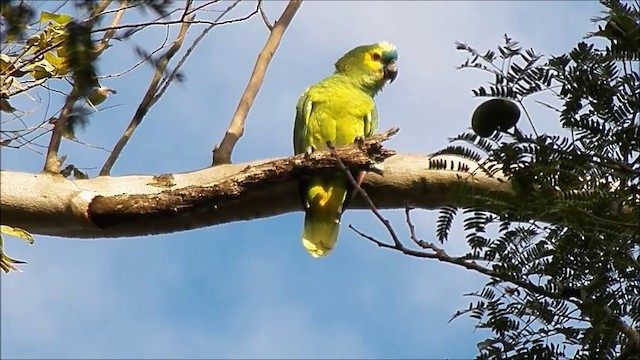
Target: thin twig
(365,196)
(440,254)
(201,6)
(134,66)
(110,33)
(165,84)
(263,14)
(20,90)
(130,33)
(174,22)
(148,101)
(222,153)
(95,13)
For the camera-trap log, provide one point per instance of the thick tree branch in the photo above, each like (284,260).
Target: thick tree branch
(145,205)
(222,152)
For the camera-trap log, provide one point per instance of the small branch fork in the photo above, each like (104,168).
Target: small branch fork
(437,253)
(222,152)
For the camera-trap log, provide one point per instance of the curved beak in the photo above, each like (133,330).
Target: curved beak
(391,70)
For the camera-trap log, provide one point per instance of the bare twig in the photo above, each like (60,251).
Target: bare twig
(263,14)
(633,336)
(149,98)
(95,13)
(109,34)
(134,66)
(365,196)
(204,5)
(130,33)
(167,81)
(34,84)
(174,22)
(222,153)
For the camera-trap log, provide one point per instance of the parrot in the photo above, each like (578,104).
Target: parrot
(340,110)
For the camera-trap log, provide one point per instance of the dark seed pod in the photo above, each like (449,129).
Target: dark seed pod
(494,114)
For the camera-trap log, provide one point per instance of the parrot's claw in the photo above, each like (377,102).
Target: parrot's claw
(6,263)
(310,150)
(359,141)
(360,179)
(377,168)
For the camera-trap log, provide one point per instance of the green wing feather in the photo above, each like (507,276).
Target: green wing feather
(300,128)
(371,122)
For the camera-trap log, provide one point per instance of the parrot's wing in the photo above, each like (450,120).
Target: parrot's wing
(300,128)
(371,122)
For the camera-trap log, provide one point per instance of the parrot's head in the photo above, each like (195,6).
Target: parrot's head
(371,65)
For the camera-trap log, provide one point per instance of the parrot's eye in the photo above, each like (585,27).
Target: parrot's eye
(376,56)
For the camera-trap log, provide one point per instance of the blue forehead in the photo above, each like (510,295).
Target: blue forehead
(390,55)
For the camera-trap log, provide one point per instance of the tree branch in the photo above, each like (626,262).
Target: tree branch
(222,152)
(263,14)
(174,22)
(111,207)
(438,253)
(110,33)
(149,98)
(51,165)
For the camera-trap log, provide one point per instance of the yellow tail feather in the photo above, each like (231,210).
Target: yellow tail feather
(320,235)
(322,220)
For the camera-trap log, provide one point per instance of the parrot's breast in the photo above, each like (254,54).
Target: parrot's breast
(339,114)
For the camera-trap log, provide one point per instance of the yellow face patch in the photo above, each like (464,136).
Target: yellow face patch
(373,60)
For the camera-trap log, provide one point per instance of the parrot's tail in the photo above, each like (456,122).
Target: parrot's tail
(320,235)
(325,198)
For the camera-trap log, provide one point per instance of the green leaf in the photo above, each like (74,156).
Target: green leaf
(5,61)
(59,63)
(57,18)
(41,69)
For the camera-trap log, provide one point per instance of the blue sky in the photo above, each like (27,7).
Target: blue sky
(248,289)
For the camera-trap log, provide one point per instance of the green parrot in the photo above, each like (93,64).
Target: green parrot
(339,110)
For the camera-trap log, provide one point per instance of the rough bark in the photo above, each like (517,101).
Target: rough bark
(110,207)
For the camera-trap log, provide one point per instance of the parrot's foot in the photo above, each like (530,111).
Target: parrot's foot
(377,168)
(361,175)
(359,141)
(6,263)
(310,150)
(359,180)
